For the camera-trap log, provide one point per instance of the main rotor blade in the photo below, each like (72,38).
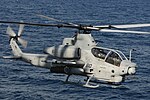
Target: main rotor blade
(10,32)
(37,24)
(21,26)
(123,31)
(22,42)
(123,26)
(57,20)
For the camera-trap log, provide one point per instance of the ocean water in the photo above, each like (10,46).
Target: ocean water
(22,81)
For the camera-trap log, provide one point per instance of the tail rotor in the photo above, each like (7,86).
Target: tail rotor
(15,36)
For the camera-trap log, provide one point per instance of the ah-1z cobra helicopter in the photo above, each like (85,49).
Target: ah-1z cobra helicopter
(80,54)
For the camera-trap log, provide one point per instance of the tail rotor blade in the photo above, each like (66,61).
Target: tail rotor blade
(21,26)
(15,36)
(23,42)
(10,32)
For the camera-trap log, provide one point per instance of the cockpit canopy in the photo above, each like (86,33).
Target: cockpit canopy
(109,55)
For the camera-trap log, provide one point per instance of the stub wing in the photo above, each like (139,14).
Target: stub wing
(68,63)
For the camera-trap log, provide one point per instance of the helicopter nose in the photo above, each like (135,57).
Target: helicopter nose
(131,69)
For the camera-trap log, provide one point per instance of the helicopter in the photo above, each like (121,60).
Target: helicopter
(78,55)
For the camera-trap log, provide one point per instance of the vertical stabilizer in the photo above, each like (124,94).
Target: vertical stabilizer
(15,48)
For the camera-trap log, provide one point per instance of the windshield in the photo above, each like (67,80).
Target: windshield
(121,55)
(113,58)
(109,55)
(99,53)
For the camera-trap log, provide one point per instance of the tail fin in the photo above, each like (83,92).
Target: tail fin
(15,48)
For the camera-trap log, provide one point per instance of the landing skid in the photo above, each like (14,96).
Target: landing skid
(88,85)
(85,85)
(102,82)
(91,86)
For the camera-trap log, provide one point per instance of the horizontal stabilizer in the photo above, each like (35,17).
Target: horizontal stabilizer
(10,57)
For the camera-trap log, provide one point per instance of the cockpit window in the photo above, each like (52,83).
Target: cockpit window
(113,58)
(99,53)
(122,55)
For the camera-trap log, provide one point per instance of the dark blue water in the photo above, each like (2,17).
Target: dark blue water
(21,81)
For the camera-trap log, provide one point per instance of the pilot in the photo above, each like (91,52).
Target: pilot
(116,59)
(101,54)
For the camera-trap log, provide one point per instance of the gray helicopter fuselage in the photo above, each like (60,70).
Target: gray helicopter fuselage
(110,66)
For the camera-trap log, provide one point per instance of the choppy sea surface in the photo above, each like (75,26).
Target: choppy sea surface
(22,81)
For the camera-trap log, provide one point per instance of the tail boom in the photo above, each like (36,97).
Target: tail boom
(34,59)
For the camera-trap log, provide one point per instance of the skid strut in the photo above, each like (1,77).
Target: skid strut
(88,85)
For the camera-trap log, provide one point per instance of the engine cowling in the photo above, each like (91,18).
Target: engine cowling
(64,52)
